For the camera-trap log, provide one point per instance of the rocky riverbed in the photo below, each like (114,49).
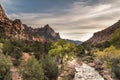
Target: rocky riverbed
(85,72)
(76,71)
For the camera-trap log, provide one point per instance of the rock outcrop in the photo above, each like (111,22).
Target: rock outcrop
(15,29)
(2,14)
(104,35)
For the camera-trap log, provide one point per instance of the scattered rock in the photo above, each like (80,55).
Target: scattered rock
(86,72)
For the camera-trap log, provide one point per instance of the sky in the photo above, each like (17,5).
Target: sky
(73,19)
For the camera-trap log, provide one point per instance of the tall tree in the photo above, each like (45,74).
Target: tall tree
(62,49)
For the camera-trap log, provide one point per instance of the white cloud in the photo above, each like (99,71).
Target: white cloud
(5,1)
(79,17)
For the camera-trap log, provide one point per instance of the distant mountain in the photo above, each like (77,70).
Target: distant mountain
(45,32)
(76,42)
(104,35)
(15,29)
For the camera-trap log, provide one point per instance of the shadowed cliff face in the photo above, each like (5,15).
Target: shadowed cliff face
(104,35)
(15,29)
(45,32)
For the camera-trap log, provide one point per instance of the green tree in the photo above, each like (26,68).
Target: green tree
(102,45)
(115,38)
(38,49)
(5,64)
(80,50)
(32,70)
(13,49)
(50,68)
(62,49)
(111,58)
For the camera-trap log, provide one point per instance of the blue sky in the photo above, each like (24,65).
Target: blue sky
(73,19)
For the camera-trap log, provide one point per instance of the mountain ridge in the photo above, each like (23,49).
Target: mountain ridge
(15,29)
(104,35)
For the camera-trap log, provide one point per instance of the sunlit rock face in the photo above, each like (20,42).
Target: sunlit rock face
(85,72)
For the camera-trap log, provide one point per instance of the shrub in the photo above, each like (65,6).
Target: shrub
(111,58)
(5,64)
(32,70)
(80,50)
(115,38)
(50,67)
(13,49)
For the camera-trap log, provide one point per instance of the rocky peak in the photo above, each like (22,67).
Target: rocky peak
(48,32)
(17,21)
(17,25)
(47,26)
(48,29)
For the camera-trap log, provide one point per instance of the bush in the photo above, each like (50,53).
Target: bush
(50,67)
(115,38)
(103,45)
(111,58)
(13,49)
(32,70)
(5,65)
(80,50)
(115,66)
